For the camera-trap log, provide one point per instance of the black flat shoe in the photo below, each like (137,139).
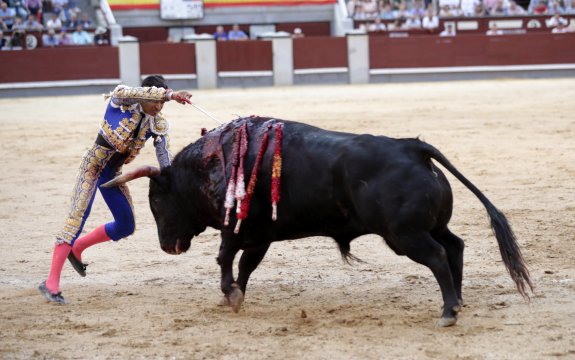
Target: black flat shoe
(51,297)
(79,266)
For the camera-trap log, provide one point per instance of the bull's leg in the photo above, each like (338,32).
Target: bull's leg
(233,296)
(423,249)
(249,261)
(454,247)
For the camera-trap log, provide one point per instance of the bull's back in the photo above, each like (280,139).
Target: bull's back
(362,182)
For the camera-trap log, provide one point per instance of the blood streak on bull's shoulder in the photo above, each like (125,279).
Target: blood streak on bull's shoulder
(235,188)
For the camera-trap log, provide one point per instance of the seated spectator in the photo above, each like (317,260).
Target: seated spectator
(401,11)
(31,24)
(100,37)
(358,13)
(237,34)
(413,22)
(450,10)
(467,7)
(297,34)
(555,8)
(386,12)
(449,30)
(85,21)
(479,10)
(515,10)
(538,7)
(73,6)
(65,38)
(569,6)
(47,8)
(398,24)
(557,20)
(371,9)
(59,5)
(54,22)
(18,40)
(34,7)
(81,36)
(376,26)
(430,21)
(561,29)
(18,7)
(18,24)
(493,30)
(351,4)
(65,15)
(3,40)
(220,34)
(417,9)
(500,9)
(445,12)
(488,5)
(72,22)
(50,39)
(7,14)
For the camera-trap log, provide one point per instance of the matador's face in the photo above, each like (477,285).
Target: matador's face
(152,107)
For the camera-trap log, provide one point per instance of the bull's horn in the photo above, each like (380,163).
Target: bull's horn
(142,171)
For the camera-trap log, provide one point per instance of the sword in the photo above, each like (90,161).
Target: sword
(201,110)
(206,113)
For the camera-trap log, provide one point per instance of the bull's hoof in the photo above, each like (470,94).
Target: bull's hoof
(446,321)
(449,318)
(236,298)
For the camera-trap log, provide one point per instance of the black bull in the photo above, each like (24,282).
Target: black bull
(333,184)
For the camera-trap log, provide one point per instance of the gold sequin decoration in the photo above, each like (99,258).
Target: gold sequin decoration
(140,93)
(92,165)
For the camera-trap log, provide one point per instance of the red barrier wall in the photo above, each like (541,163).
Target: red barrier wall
(167,58)
(308,28)
(66,63)
(471,50)
(79,63)
(250,55)
(320,52)
(144,34)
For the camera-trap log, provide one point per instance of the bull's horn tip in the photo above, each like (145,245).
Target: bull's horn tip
(109,184)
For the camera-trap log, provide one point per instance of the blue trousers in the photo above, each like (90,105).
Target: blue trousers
(94,172)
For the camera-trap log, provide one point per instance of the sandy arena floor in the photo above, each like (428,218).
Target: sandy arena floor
(515,139)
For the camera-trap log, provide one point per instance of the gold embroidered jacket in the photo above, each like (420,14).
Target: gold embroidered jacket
(126,127)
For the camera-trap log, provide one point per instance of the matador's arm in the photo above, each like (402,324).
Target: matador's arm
(126,95)
(162,145)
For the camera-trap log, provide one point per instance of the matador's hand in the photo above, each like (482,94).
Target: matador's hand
(182,97)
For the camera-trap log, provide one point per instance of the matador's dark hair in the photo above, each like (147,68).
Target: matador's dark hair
(155,80)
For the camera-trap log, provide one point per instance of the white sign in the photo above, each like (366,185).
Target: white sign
(181,9)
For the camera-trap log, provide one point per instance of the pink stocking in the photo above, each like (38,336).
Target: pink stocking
(59,256)
(97,236)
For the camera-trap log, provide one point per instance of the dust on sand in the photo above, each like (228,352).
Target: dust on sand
(515,139)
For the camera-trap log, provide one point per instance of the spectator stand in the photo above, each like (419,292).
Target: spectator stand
(478,25)
(68,14)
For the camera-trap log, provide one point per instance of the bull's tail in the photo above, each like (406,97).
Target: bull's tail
(510,251)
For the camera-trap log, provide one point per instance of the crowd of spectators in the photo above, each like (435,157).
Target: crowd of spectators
(235,34)
(373,15)
(57,23)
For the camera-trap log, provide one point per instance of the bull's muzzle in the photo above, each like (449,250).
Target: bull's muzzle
(179,248)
